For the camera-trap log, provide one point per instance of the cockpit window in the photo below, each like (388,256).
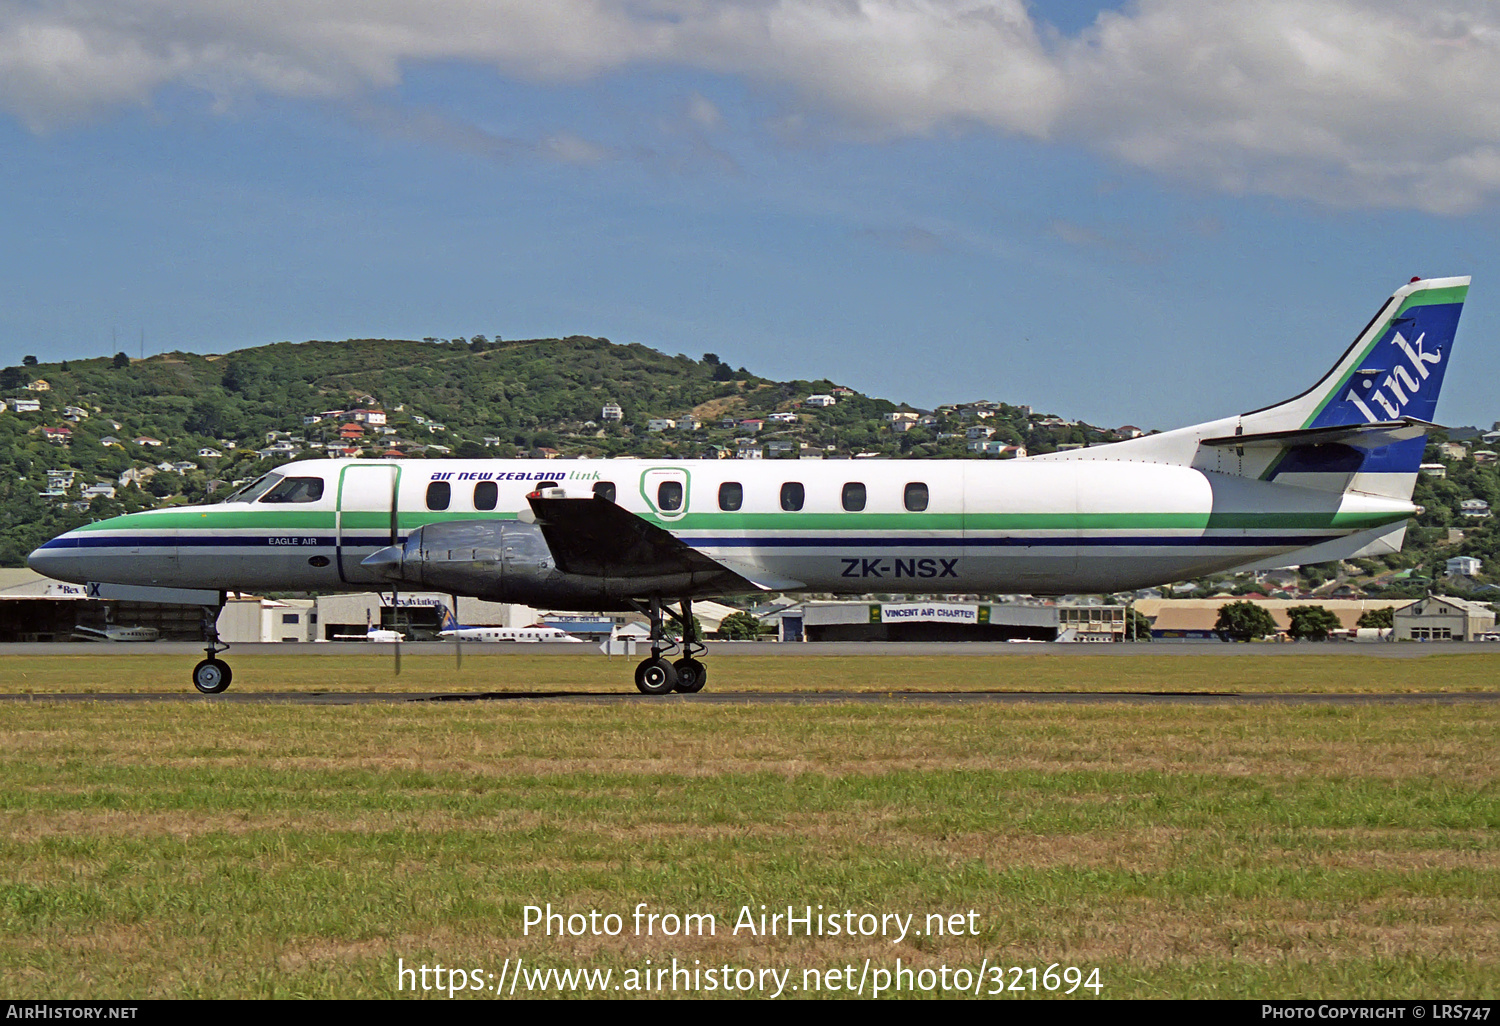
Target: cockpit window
(296,489)
(254,490)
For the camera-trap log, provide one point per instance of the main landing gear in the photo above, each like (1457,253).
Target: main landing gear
(212,675)
(658,675)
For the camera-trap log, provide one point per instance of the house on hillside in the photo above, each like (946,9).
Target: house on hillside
(1476,508)
(39,385)
(820,400)
(1462,566)
(612,412)
(26,405)
(61,435)
(155,443)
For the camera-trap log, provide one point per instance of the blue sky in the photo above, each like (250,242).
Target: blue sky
(1156,215)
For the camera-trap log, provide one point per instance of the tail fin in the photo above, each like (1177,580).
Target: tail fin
(450,621)
(1362,427)
(1394,370)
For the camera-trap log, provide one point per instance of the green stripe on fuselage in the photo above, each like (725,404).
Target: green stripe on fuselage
(324,520)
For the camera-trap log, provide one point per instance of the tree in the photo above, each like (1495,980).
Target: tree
(674,629)
(120,361)
(28,361)
(1385,617)
(1243,621)
(740,627)
(1312,623)
(1138,627)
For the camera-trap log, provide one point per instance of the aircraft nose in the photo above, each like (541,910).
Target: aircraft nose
(57,559)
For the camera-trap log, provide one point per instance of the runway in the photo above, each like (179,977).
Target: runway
(716,649)
(776,698)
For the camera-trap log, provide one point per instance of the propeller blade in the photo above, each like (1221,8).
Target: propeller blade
(396,626)
(458,644)
(396,540)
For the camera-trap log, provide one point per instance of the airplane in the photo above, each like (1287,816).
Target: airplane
(1327,474)
(452,630)
(380,635)
(109,632)
(376,634)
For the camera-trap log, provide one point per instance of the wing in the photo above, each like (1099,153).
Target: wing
(595,537)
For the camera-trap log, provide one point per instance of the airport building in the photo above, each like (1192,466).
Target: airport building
(944,620)
(1440,618)
(37,608)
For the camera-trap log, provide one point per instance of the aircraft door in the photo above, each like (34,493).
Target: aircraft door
(366,503)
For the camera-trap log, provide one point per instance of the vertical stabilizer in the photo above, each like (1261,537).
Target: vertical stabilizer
(1362,427)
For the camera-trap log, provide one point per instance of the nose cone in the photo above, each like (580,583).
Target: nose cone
(58,559)
(386,562)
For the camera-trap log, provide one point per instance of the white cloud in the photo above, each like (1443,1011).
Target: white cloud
(1366,102)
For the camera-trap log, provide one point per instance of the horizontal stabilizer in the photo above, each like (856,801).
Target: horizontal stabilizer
(1377,541)
(1359,436)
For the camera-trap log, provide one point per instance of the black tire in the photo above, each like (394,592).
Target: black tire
(655,677)
(691,676)
(212,676)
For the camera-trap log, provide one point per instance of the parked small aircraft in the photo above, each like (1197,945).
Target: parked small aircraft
(109,632)
(452,630)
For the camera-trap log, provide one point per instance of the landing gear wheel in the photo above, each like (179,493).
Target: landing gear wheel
(212,676)
(655,677)
(691,675)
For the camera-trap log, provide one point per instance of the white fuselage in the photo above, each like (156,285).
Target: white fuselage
(842,526)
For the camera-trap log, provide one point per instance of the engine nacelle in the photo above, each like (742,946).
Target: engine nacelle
(504,561)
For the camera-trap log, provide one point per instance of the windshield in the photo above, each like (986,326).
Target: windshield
(254,490)
(296,489)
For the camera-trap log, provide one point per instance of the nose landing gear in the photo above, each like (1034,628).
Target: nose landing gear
(212,675)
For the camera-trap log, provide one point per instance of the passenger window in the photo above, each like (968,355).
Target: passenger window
(296,489)
(486,495)
(605,490)
(669,496)
(731,496)
(854,496)
(792,496)
(916,497)
(439,494)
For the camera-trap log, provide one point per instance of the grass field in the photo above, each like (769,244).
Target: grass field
(217,850)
